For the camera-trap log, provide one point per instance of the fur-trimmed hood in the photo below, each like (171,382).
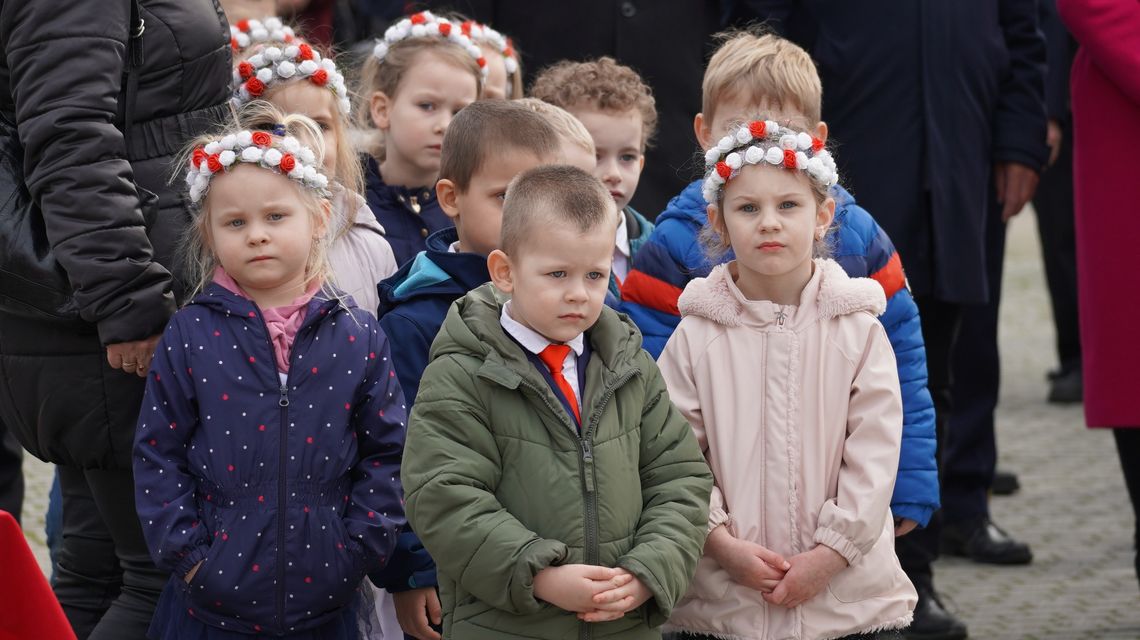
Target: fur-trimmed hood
(829,293)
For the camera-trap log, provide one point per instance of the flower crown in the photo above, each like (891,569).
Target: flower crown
(481,32)
(764,141)
(278,152)
(426,24)
(250,32)
(283,61)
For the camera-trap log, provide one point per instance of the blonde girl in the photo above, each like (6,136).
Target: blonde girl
(419,75)
(504,69)
(783,370)
(296,78)
(268,447)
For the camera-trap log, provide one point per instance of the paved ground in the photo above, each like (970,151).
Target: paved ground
(1073,508)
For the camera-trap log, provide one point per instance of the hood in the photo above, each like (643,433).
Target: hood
(829,293)
(223,301)
(689,207)
(472,328)
(434,272)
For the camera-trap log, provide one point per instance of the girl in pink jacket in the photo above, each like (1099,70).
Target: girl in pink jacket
(790,385)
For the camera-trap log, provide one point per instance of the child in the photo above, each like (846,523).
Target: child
(577,145)
(297,79)
(268,450)
(617,108)
(491,142)
(557,488)
(504,72)
(806,550)
(750,75)
(418,77)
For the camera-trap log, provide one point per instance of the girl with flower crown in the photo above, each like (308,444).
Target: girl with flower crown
(268,446)
(419,75)
(295,78)
(783,370)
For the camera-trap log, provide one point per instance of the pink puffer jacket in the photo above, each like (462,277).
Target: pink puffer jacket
(797,410)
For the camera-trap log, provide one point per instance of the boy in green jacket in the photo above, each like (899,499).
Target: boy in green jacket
(559,491)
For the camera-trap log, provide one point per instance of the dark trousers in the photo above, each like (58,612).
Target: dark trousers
(941,322)
(105,579)
(11,473)
(1128,448)
(1054,205)
(970,456)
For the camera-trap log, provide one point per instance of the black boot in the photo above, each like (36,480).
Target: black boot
(983,541)
(931,620)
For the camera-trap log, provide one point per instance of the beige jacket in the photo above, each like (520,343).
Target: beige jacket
(797,410)
(360,257)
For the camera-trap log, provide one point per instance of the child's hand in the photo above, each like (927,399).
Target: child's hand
(810,573)
(904,526)
(617,602)
(416,610)
(572,587)
(746,562)
(193,570)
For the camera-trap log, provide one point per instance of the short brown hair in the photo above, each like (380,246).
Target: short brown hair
(484,128)
(764,67)
(565,124)
(551,194)
(601,84)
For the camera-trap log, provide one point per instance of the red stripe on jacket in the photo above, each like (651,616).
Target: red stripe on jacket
(650,292)
(891,276)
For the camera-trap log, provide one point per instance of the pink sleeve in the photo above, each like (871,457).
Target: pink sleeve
(1109,30)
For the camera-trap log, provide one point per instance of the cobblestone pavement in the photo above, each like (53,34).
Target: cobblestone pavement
(1072,508)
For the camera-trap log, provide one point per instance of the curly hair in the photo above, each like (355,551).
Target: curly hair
(601,84)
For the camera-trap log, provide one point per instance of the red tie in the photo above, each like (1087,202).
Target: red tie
(553,356)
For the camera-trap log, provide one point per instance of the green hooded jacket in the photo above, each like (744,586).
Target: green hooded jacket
(499,484)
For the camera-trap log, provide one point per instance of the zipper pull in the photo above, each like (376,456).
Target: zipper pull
(780,317)
(587,451)
(588,465)
(284,400)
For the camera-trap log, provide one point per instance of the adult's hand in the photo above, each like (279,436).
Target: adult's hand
(1053,135)
(132,357)
(1015,185)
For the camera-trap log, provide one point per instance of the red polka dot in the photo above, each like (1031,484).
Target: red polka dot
(252,314)
(230,468)
(153,442)
(225,536)
(257,628)
(173,425)
(391,374)
(376,463)
(339,546)
(256,568)
(225,396)
(261,498)
(352,338)
(217,333)
(314,369)
(309,440)
(371,514)
(306,508)
(261,427)
(347,406)
(371,355)
(308,580)
(252,359)
(157,377)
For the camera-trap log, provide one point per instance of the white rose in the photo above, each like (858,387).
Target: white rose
(307,68)
(774,155)
(803,141)
(380,50)
(711,156)
(734,161)
(272,157)
(244,138)
(726,144)
(801,159)
(743,135)
(273,54)
(291,144)
(228,141)
(418,31)
(307,156)
(251,154)
(212,148)
(788,141)
(754,155)
(286,69)
(227,157)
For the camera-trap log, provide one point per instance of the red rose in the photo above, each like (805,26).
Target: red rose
(288,38)
(444,29)
(758,129)
(245,70)
(418,18)
(306,52)
(255,87)
(243,25)
(213,162)
(509,51)
(723,170)
(198,157)
(482,62)
(288,162)
(789,158)
(465,28)
(234,44)
(816,145)
(261,139)
(319,77)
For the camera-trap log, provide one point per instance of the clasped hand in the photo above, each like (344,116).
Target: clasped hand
(596,594)
(782,582)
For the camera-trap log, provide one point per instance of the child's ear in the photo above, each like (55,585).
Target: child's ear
(448,196)
(821,130)
(379,106)
(713,213)
(701,129)
(501,269)
(824,216)
(322,225)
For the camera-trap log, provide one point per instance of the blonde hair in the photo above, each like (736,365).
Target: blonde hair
(552,193)
(765,68)
(386,77)
(600,84)
(564,123)
(257,115)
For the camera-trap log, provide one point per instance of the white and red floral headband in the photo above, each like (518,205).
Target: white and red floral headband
(279,62)
(246,33)
(276,152)
(482,33)
(766,142)
(426,24)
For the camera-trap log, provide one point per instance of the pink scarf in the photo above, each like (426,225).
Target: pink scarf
(282,322)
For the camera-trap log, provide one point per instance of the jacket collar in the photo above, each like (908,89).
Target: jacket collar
(435,271)
(222,300)
(829,293)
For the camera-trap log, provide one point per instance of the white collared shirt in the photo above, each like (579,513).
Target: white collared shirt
(535,342)
(621,249)
(453,247)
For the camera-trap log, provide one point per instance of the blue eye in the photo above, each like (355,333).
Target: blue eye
(276,216)
(788,204)
(748,208)
(628,157)
(235,223)
(595,275)
(557,274)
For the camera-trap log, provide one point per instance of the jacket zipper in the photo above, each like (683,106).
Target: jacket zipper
(781,315)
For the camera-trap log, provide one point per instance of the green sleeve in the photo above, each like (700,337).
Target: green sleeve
(450,470)
(675,487)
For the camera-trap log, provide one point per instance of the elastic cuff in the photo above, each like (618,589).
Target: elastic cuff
(842,545)
(193,557)
(718,517)
(917,512)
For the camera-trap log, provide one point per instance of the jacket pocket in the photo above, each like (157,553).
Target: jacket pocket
(874,575)
(235,579)
(324,567)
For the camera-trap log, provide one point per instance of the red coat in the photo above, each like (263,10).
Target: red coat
(1106,120)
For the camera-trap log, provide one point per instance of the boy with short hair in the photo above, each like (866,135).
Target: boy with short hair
(491,142)
(764,76)
(618,110)
(577,145)
(544,461)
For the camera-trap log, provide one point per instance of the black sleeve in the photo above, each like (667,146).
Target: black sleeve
(1059,59)
(65,60)
(1019,120)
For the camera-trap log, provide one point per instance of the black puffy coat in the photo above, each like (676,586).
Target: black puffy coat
(60,76)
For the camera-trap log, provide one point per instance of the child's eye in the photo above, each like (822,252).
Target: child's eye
(628,157)
(748,208)
(324,126)
(557,274)
(276,216)
(788,204)
(501,195)
(427,106)
(595,275)
(235,223)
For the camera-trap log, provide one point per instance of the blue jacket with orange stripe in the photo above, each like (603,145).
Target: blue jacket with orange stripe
(673,256)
